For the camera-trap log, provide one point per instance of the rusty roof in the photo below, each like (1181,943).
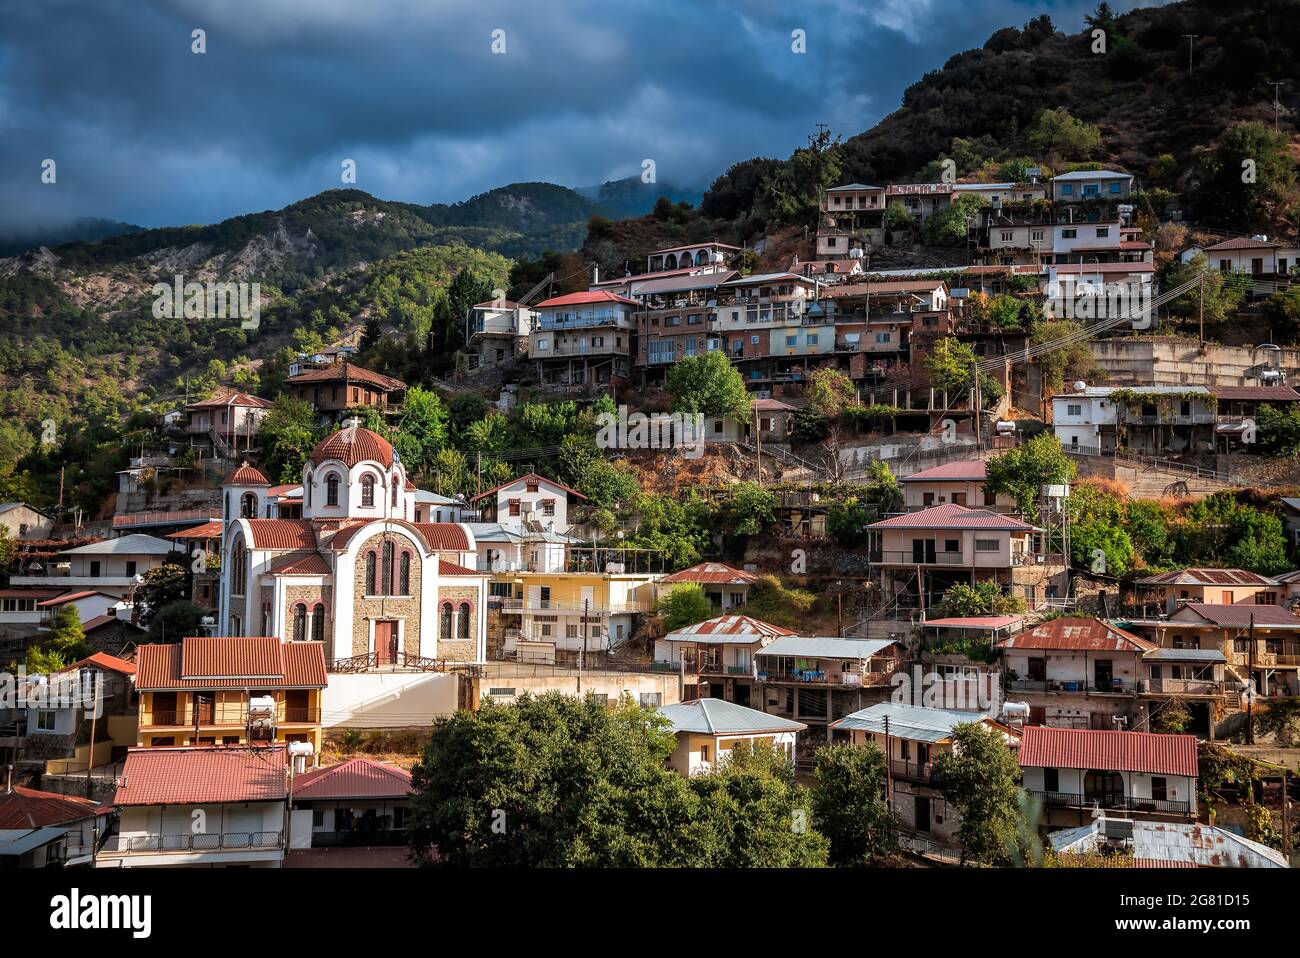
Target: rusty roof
(728,628)
(1235,616)
(973,470)
(355,778)
(1206,576)
(192,776)
(1258,393)
(1106,750)
(102,660)
(225,662)
(349,372)
(1078,634)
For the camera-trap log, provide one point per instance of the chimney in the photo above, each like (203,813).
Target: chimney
(595,274)
(9,779)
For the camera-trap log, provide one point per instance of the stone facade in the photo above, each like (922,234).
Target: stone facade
(310,596)
(459,649)
(404,608)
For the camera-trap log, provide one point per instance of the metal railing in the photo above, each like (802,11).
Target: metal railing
(923,772)
(1115,686)
(1111,800)
(904,557)
(211,841)
(231,715)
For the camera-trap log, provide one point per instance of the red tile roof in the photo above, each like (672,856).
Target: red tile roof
(355,778)
(286,490)
(727,625)
(1242,242)
(348,372)
(191,776)
(209,530)
(352,445)
(582,299)
(444,536)
(1071,633)
(102,660)
(711,573)
(246,475)
(531,475)
(282,534)
(952,516)
(967,469)
(453,568)
(100,621)
(229,662)
(28,808)
(71,597)
(231,398)
(772,405)
(1154,753)
(310,563)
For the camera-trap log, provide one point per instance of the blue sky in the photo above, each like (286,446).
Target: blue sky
(144,130)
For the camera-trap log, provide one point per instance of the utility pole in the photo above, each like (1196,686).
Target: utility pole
(94,713)
(582,659)
(1191,41)
(1286,814)
(889,770)
(1277,99)
(758,444)
(1202,307)
(1250,678)
(978,422)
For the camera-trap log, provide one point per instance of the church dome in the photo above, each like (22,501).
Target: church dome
(246,475)
(354,444)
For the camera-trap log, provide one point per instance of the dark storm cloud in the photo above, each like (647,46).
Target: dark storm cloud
(144,130)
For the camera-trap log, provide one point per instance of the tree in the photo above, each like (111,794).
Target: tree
(1056,133)
(748,511)
(287,435)
(162,586)
(898,218)
(979,777)
(830,392)
(754,814)
(371,333)
(710,385)
(849,806)
(951,365)
(792,193)
(949,226)
(1278,433)
(847,521)
(1098,539)
(1023,471)
(422,430)
(982,598)
(174,621)
(1250,178)
(679,528)
(1222,294)
(684,605)
(1066,363)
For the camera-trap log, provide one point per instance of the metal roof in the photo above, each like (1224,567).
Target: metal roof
(968,469)
(1107,750)
(193,776)
(989,623)
(711,573)
(1184,655)
(234,662)
(719,717)
(914,722)
(952,516)
(1207,576)
(829,647)
(1078,634)
(1094,175)
(1234,616)
(355,778)
(135,544)
(728,628)
(1166,844)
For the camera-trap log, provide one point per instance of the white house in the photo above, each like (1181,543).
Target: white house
(1091,185)
(110,565)
(214,806)
(708,729)
(1257,255)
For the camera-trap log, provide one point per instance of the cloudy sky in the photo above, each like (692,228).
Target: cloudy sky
(143,129)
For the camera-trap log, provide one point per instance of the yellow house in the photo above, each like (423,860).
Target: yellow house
(554,616)
(230,691)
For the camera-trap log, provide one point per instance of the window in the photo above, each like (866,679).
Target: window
(404,575)
(444,625)
(1116,187)
(753,340)
(513,507)
(792,340)
(45,720)
(1007,236)
(811,339)
(541,345)
(652,699)
(1074,409)
(368,491)
(571,631)
(1103,232)
(318,623)
(1069,233)
(394,491)
(1067,189)
(130,569)
(1051,780)
(370,572)
(299,622)
(332,489)
(239,569)
(986,545)
(94,569)
(386,569)
(951,545)
(883,337)
(248,506)
(1036,236)
(1159,788)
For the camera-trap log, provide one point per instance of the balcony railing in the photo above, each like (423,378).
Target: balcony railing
(1109,800)
(904,557)
(823,677)
(1185,686)
(922,772)
(1114,686)
(224,715)
(595,608)
(211,841)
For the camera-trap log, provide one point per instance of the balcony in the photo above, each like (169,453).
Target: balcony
(1155,806)
(226,716)
(1185,687)
(595,607)
(1195,419)
(579,349)
(207,842)
(907,557)
(854,679)
(1113,687)
(922,772)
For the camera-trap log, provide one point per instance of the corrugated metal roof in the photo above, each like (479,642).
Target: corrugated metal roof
(1106,750)
(728,628)
(1236,616)
(1071,633)
(190,776)
(816,647)
(1258,393)
(1184,655)
(913,722)
(1207,576)
(952,516)
(209,530)
(719,717)
(1172,844)
(989,622)
(974,470)
(135,544)
(29,808)
(355,778)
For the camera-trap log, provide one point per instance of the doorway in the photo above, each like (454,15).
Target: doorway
(921,810)
(386,641)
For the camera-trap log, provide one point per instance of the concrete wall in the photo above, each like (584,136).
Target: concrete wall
(388,699)
(1172,361)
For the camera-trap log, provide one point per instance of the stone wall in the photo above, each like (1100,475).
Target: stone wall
(1175,361)
(463,650)
(405,608)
